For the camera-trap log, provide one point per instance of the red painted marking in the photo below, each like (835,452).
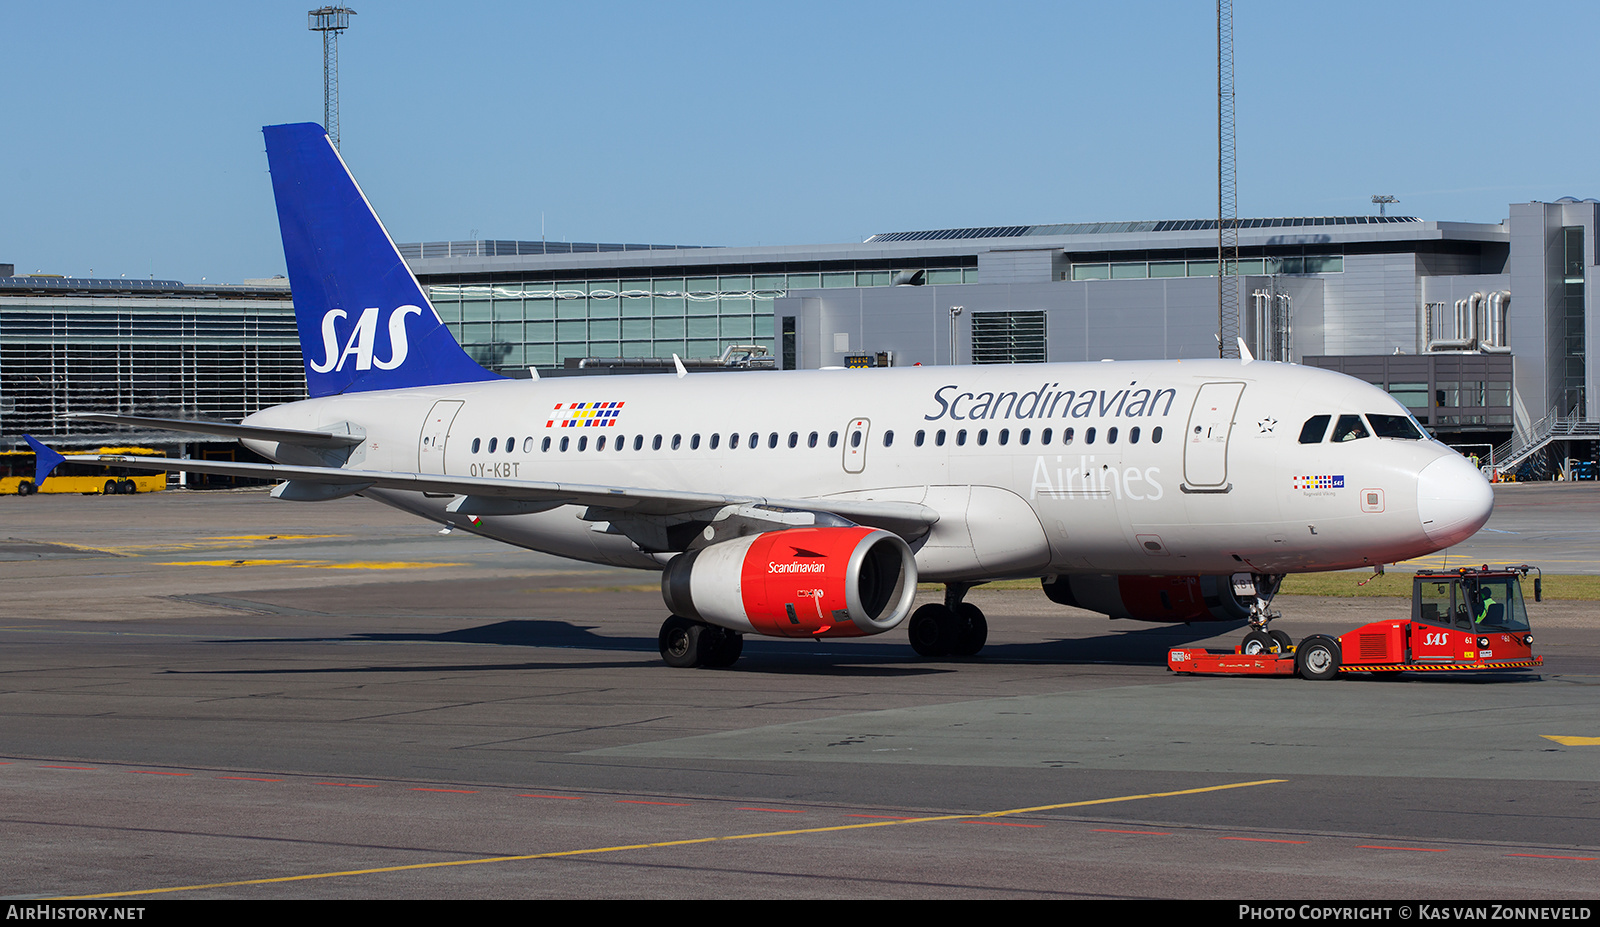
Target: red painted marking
(635,801)
(69,767)
(1005,824)
(1582,859)
(1147,833)
(153,772)
(349,785)
(249,779)
(453,791)
(1412,849)
(775,810)
(1264,840)
(562,797)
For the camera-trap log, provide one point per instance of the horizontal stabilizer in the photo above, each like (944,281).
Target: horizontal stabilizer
(226,430)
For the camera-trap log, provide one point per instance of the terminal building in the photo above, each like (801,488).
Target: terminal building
(1480,329)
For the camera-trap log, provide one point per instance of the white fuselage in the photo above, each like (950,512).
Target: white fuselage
(1172,467)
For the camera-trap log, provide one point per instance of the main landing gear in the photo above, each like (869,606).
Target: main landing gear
(953,629)
(685,644)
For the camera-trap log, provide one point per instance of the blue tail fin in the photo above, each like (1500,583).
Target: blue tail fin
(364,321)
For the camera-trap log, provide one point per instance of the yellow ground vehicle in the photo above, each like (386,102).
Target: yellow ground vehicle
(17,474)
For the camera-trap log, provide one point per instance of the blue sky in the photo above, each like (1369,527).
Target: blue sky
(132,142)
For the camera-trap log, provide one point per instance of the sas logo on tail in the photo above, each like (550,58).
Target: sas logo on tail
(362,340)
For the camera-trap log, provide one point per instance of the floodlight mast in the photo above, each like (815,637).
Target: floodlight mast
(330,21)
(1383,201)
(1227,191)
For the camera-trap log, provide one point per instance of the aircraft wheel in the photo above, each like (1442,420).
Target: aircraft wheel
(1257,642)
(682,642)
(722,646)
(110,488)
(929,630)
(1281,642)
(971,630)
(1317,657)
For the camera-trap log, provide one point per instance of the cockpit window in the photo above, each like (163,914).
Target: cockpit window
(1394,426)
(1350,428)
(1315,427)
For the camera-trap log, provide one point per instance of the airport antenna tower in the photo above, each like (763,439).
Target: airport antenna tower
(330,21)
(1227,192)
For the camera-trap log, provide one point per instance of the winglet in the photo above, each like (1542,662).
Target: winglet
(45,460)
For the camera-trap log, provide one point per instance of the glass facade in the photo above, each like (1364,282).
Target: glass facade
(167,357)
(509,326)
(1127,270)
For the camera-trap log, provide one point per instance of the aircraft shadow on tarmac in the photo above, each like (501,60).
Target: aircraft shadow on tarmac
(1145,646)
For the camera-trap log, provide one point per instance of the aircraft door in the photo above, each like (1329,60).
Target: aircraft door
(855,445)
(435,434)
(1205,448)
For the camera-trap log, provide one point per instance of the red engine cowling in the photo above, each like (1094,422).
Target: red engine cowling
(1150,598)
(803,582)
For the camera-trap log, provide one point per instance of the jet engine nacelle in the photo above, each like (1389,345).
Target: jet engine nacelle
(1150,598)
(803,582)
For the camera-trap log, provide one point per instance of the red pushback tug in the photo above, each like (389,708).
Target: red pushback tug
(1466,620)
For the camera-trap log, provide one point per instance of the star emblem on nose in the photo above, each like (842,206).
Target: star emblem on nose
(1266,425)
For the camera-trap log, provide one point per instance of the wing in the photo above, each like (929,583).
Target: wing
(646,516)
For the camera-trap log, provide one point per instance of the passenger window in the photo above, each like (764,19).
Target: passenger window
(511,444)
(733,441)
(1111,435)
(677,441)
(1088,436)
(1044,436)
(812,441)
(888,437)
(1005,436)
(1023,438)
(694,443)
(638,442)
(1350,428)
(715,440)
(855,439)
(772,440)
(921,437)
(1155,435)
(527,445)
(600,443)
(564,441)
(476,442)
(545,445)
(833,439)
(583,443)
(492,443)
(983,436)
(961,438)
(1315,428)
(755,440)
(1133,435)
(1066,436)
(938,438)
(655,445)
(794,439)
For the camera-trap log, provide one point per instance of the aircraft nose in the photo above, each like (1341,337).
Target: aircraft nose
(1453,500)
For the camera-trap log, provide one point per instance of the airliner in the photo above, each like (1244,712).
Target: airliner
(809,504)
